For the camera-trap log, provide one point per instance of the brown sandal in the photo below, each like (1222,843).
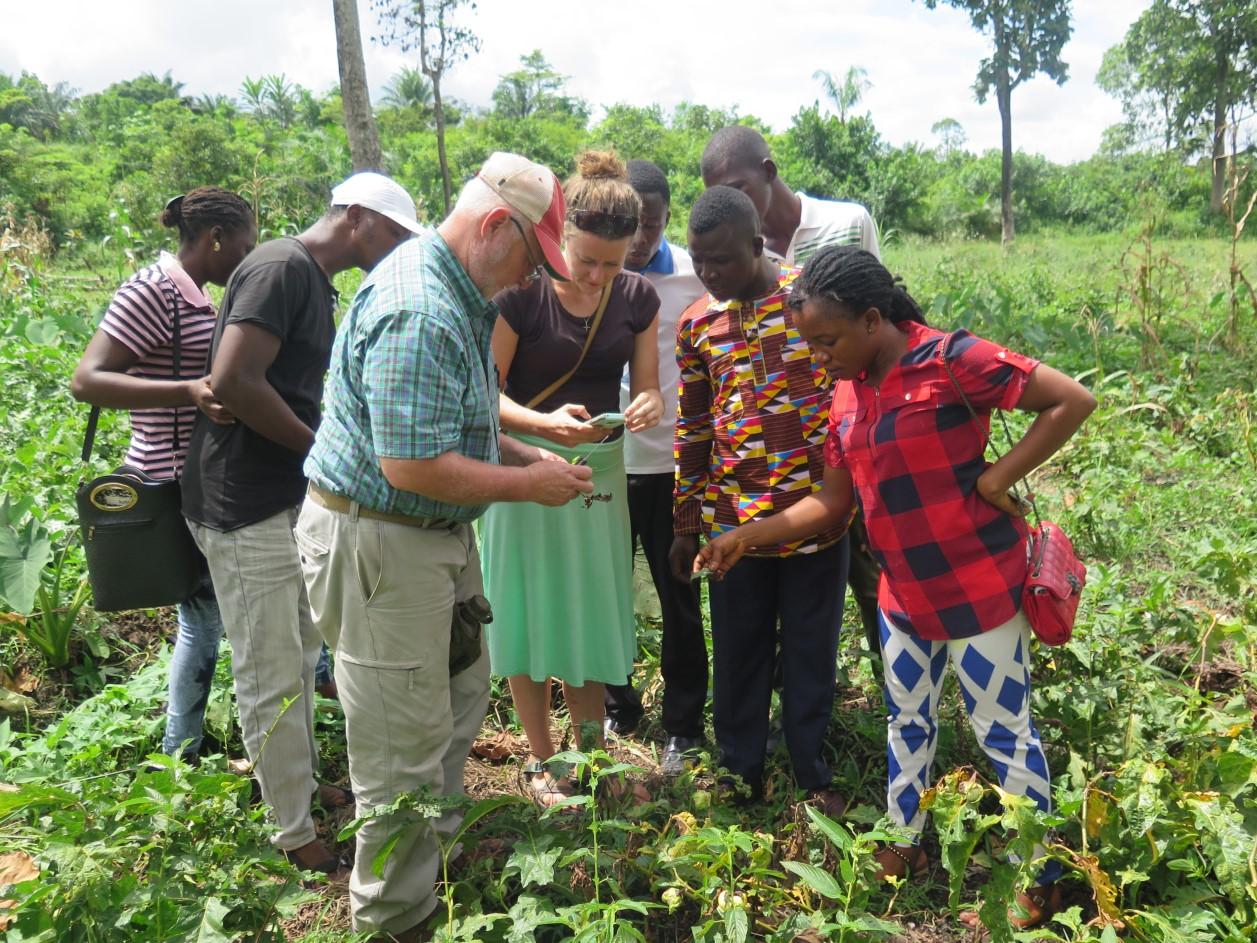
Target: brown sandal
(894,861)
(1041,903)
(550,786)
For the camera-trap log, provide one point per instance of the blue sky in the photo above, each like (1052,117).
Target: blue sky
(757,56)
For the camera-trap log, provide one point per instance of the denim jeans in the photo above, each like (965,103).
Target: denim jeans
(323,670)
(192,670)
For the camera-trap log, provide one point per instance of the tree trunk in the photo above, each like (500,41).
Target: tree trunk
(440,138)
(1004,95)
(1220,104)
(364,140)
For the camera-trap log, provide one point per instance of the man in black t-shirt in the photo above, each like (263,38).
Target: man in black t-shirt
(243,483)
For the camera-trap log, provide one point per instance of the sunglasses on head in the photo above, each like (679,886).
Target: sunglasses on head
(611,225)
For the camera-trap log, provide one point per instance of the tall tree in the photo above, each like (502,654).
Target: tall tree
(847,95)
(1026,38)
(1191,67)
(535,88)
(430,26)
(28,103)
(951,135)
(364,140)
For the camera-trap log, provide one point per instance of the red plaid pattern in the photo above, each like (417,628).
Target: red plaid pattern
(952,564)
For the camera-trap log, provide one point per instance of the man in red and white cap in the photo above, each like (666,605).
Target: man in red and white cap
(408,456)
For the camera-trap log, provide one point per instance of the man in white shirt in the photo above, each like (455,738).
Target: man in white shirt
(796,226)
(649,462)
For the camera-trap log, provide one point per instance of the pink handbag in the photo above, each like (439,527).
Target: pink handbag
(1054,584)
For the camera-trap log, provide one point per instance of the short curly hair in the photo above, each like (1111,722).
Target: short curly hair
(720,205)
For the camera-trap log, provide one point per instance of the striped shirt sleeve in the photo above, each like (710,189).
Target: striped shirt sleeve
(137,318)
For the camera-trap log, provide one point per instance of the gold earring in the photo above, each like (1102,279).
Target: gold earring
(217,246)
(869,329)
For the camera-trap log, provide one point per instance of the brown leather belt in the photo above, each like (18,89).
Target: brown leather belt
(343,505)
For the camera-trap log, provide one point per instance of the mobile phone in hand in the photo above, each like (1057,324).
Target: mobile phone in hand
(608,420)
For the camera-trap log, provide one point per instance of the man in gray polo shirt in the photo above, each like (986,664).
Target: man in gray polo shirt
(408,455)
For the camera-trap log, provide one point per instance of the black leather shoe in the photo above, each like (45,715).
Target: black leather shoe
(618,727)
(679,754)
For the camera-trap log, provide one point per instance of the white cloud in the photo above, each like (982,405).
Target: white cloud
(759,56)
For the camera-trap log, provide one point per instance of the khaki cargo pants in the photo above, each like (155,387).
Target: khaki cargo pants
(382,595)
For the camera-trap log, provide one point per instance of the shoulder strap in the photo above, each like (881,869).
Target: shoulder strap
(943,349)
(589,339)
(93,417)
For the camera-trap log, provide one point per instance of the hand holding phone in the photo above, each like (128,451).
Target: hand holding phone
(608,420)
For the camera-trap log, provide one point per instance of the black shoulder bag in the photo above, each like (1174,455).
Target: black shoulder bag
(140,553)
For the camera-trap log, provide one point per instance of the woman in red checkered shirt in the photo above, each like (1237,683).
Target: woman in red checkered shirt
(949,536)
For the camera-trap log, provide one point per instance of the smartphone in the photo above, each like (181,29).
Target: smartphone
(608,420)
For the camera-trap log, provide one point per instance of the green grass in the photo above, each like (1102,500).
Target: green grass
(1147,714)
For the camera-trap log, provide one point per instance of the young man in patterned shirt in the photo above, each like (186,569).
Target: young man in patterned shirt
(796,227)
(749,444)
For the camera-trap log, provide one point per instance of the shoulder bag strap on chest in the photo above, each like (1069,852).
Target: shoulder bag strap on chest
(986,439)
(93,417)
(589,339)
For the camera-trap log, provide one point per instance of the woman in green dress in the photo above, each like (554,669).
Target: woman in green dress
(560,579)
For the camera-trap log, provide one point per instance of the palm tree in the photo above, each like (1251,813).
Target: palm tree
(410,88)
(209,104)
(253,92)
(281,99)
(848,95)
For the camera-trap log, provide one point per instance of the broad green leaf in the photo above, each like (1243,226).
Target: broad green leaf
(535,860)
(211,929)
(830,829)
(817,879)
(736,925)
(479,811)
(25,550)
(386,850)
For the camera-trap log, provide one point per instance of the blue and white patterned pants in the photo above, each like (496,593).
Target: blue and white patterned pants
(994,673)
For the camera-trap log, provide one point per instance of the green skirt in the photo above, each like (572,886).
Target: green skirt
(560,580)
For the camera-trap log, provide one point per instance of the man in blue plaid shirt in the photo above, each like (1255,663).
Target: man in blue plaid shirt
(408,455)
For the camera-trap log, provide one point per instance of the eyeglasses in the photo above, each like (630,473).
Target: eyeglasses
(611,225)
(538,268)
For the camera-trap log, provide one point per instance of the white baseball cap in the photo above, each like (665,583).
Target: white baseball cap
(382,194)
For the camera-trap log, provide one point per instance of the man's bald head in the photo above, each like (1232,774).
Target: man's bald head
(734,146)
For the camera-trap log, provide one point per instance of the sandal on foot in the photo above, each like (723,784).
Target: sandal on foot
(895,861)
(1041,903)
(548,789)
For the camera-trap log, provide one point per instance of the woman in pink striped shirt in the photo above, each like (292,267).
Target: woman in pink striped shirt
(129,364)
